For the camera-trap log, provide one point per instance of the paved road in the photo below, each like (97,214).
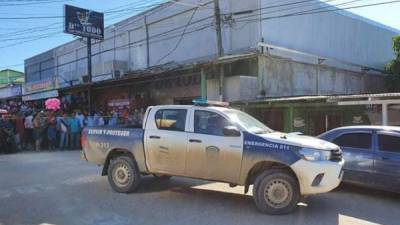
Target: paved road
(58,188)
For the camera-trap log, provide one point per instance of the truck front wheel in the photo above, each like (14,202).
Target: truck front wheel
(276,191)
(123,174)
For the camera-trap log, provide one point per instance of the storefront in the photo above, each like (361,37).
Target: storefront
(10,97)
(37,92)
(314,115)
(131,95)
(10,93)
(74,98)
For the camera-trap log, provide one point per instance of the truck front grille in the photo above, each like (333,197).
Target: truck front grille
(336,155)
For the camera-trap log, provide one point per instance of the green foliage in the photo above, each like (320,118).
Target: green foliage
(392,68)
(396,46)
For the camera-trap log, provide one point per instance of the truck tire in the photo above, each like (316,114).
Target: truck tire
(276,192)
(123,174)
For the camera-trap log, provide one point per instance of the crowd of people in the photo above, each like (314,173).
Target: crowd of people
(32,128)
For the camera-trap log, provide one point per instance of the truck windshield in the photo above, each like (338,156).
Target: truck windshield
(248,122)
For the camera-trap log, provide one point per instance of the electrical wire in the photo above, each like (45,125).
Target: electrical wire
(319,12)
(33,3)
(281,16)
(308,10)
(180,38)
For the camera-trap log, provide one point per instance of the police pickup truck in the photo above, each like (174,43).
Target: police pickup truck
(216,143)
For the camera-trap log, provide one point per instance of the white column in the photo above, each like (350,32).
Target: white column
(385,114)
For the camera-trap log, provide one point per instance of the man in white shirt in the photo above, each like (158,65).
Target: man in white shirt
(29,131)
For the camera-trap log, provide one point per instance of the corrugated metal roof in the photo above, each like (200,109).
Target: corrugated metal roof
(328,98)
(378,95)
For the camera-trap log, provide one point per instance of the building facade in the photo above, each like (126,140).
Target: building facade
(169,54)
(8,77)
(11,85)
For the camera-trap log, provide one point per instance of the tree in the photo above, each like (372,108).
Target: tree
(392,68)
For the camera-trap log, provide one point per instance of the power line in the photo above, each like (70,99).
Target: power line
(309,4)
(33,3)
(199,28)
(28,37)
(141,8)
(287,15)
(174,29)
(45,28)
(181,37)
(30,30)
(310,12)
(33,39)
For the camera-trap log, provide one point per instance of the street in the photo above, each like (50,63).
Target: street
(59,188)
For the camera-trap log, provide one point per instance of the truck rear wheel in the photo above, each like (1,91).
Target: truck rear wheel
(276,191)
(123,174)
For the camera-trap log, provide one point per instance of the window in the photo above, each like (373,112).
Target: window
(354,140)
(211,123)
(171,119)
(389,143)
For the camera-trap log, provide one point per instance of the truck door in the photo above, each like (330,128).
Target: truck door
(211,155)
(166,141)
(387,157)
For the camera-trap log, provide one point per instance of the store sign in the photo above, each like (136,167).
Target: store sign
(118,103)
(42,85)
(8,92)
(41,95)
(83,22)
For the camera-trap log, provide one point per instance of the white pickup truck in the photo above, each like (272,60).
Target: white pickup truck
(219,144)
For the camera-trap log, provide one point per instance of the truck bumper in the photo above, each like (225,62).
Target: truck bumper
(318,176)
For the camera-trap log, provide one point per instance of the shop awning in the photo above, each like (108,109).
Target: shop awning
(10,92)
(383,99)
(40,95)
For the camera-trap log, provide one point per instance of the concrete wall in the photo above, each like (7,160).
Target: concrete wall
(340,34)
(236,88)
(284,77)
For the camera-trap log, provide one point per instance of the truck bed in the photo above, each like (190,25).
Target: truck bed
(98,142)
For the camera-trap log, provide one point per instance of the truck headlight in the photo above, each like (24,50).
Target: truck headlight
(315,154)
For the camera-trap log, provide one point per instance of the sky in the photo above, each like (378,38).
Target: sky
(15,36)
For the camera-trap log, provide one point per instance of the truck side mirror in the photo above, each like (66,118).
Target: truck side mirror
(231,131)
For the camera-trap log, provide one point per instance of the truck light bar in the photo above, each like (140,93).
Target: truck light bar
(202,102)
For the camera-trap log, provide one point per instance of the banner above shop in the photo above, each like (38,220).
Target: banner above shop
(41,85)
(40,95)
(10,92)
(83,22)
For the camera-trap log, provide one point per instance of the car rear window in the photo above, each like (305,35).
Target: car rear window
(354,140)
(389,143)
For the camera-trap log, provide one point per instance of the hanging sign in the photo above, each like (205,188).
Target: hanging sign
(83,22)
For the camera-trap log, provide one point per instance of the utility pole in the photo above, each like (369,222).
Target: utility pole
(146,26)
(220,48)
(89,65)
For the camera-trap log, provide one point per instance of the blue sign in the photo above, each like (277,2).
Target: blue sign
(83,22)
(10,91)
(41,95)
